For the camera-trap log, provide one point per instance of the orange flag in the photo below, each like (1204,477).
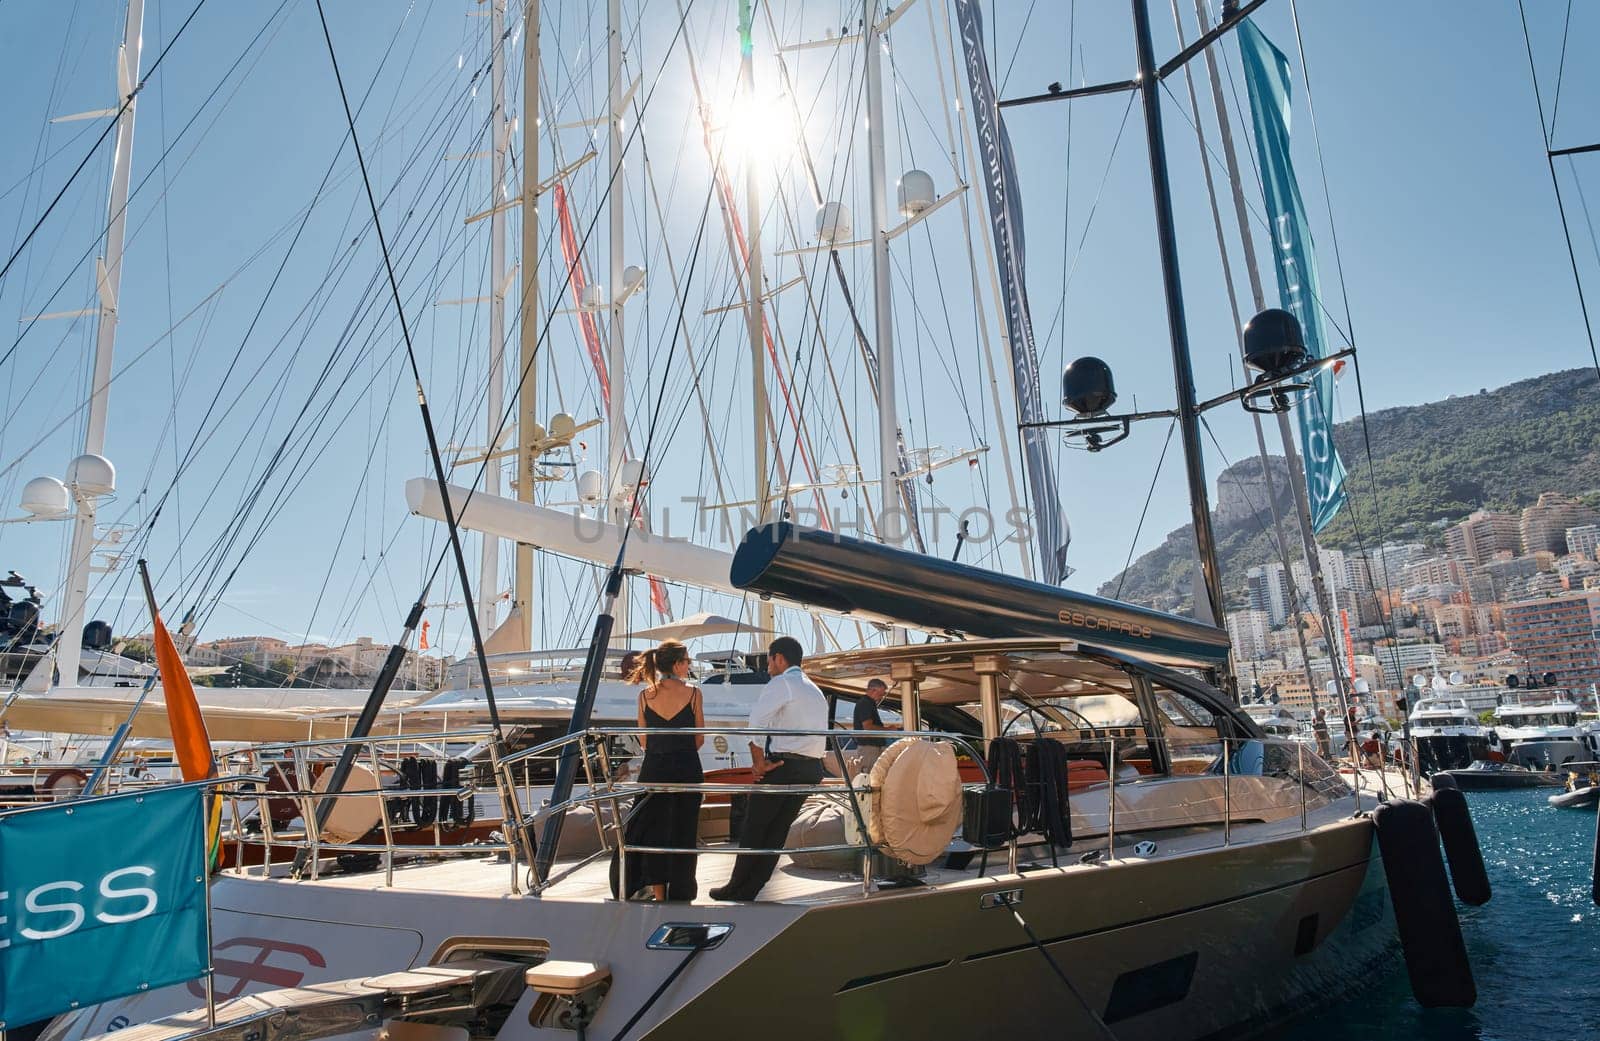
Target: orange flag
(190,743)
(424,644)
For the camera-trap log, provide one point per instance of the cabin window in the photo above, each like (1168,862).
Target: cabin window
(1188,731)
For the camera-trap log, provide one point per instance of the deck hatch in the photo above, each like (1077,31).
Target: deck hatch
(1154,986)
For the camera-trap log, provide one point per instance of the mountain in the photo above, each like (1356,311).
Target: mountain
(1433,464)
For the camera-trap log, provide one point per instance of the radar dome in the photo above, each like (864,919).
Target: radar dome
(915,192)
(46,497)
(833,223)
(591,487)
(563,426)
(92,474)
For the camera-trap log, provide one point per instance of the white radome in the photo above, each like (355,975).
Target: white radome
(833,223)
(563,426)
(591,486)
(633,475)
(915,192)
(46,497)
(632,278)
(594,296)
(92,475)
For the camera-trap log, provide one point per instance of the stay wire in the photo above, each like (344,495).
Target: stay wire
(1133,544)
(416,373)
(115,122)
(1555,183)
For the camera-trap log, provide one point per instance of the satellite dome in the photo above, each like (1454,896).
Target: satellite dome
(594,297)
(46,497)
(591,486)
(833,223)
(1087,387)
(93,475)
(632,278)
(1273,341)
(915,192)
(563,426)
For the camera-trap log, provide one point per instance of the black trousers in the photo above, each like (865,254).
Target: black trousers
(766,826)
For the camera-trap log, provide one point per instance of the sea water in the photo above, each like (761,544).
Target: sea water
(1535,947)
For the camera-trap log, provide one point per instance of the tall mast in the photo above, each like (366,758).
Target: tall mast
(889,529)
(69,642)
(489,559)
(753,313)
(528,389)
(1177,326)
(616,430)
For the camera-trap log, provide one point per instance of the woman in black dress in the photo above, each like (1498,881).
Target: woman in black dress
(666,819)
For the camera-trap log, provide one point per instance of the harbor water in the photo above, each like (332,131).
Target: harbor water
(1535,947)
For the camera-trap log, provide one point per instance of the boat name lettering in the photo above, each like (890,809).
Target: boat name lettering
(1080,620)
(120,899)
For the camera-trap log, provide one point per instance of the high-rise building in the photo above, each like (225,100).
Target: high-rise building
(1247,631)
(1269,592)
(1386,561)
(1584,539)
(1482,535)
(1559,634)
(1545,523)
(1402,662)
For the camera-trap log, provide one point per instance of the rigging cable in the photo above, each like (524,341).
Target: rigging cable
(110,126)
(1555,183)
(422,400)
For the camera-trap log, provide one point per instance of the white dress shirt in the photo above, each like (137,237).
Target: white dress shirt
(791,702)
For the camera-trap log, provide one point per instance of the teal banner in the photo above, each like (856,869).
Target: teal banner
(100,898)
(1266,73)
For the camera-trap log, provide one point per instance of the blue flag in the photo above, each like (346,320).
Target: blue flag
(1266,73)
(101,898)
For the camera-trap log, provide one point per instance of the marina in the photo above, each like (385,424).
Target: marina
(777,632)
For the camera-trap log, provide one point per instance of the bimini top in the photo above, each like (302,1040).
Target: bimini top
(821,569)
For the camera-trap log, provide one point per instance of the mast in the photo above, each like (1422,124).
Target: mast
(489,558)
(765,613)
(890,530)
(528,389)
(1177,326)
(69,642)
(616,450)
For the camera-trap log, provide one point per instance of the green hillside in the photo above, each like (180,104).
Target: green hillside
(1433,465)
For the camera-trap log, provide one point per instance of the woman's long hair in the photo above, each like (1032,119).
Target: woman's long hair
(658,662)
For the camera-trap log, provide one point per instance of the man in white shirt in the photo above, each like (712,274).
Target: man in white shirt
(789,702)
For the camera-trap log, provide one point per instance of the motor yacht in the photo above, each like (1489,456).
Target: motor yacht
(1539,729)
(1446,733)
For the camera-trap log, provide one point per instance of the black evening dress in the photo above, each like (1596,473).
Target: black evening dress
(666,819)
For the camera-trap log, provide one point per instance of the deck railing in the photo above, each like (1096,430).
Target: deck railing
(1274,781)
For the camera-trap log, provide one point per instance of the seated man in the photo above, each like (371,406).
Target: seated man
(789,702)
(867,718)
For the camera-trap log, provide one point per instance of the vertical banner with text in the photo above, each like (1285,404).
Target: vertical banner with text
(999,178)
(1266,73)
(102,898)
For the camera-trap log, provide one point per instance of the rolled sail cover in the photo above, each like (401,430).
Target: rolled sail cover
(816,568)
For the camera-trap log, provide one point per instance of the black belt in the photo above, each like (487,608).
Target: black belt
(784,757)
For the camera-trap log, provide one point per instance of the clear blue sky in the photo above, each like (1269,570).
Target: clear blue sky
(1457,271)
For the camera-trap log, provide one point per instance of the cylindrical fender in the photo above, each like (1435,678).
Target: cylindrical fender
(1425,914)
(1454,820)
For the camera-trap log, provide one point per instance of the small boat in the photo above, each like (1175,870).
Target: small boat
(1487,775)
(1583,788)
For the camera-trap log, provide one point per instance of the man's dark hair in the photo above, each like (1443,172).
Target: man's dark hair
(787,646)
(876,682)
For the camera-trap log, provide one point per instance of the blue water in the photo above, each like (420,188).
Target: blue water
(1535,947)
